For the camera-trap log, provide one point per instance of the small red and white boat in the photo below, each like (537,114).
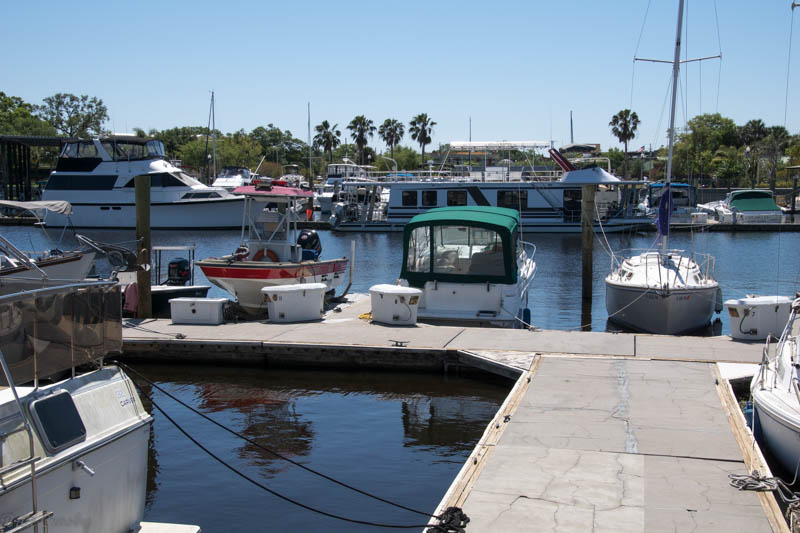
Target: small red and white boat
(274,252)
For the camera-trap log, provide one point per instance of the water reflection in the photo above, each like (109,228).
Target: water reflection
(401,434)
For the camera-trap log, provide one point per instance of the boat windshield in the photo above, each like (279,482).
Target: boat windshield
(232,172)
(130,151)
(459,250)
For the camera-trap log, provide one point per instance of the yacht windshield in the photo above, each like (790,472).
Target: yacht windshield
(120,150)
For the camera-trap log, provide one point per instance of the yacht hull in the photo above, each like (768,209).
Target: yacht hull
(225,213)
(780,427)
(112,500)
(245,279)
(662,312)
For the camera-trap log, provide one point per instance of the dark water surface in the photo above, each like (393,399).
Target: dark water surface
(746,263)
(402,436)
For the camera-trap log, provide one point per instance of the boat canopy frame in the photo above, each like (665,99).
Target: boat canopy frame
(505,222)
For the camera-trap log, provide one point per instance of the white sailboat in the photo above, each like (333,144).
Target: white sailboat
(776,396)
(667,291)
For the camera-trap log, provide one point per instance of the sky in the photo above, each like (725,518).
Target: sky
(516,69)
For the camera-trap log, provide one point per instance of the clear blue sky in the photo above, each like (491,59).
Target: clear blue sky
(516,68)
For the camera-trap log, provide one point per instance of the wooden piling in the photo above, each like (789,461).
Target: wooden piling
(143,248)
(587,243)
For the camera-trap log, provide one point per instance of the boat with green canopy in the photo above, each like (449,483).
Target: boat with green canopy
(471,264)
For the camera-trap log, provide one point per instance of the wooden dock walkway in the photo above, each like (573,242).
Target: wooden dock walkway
(601,431)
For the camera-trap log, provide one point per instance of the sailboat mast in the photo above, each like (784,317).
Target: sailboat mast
(676,65)
(214,132)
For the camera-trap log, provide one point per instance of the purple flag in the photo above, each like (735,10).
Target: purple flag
(664,211)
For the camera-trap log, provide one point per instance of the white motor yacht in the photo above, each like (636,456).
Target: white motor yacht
(97,177)
(231,177)
(776,395)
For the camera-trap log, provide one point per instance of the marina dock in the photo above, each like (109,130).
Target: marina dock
(600,432)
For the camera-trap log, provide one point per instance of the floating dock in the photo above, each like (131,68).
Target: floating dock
(600,432)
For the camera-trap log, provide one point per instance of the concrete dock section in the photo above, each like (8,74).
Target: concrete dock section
(615,445)
(601,431)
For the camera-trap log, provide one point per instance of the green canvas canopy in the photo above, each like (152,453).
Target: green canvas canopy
(503,222)
(753,201)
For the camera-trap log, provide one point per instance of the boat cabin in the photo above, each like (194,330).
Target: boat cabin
(461,245)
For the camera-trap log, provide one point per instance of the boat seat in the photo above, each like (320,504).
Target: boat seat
(487,264)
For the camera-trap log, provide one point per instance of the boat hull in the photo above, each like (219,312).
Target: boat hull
(780,429)
(71,266)
(225,213)
(245,279)
(662,312)
(553,226)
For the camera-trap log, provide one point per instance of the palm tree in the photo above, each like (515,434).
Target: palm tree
(360,128)
(327,138)
(391,131)
(623,126)
(421,128)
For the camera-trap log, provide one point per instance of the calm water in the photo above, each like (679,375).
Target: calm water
(746,263)
(401,436)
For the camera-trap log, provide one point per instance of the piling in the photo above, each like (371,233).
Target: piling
(587,243)
(142,184)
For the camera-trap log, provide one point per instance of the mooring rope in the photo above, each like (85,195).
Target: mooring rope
(453,520)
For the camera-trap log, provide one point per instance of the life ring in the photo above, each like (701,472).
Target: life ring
(272,256)
(241,253)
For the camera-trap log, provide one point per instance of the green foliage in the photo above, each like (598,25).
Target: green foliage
(407,158)
(74,116)
(328,138)
(391,131)
(360,129)
(280,146)
(420,129)
(17,118)
(623,127)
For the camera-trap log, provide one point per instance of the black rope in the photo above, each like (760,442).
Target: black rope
(450,519)
(274,493)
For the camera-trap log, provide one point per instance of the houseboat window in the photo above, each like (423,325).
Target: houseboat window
(512,199)
(457,197)
(58,421)
(419,252)
(468,250)
(429,198)
(409,198)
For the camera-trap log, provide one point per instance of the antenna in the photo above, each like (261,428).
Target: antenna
(571,137)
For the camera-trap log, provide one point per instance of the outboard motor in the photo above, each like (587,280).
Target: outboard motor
(310,243)
(178,272)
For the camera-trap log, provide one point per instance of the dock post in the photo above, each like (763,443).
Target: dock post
(587,242)
(142,185)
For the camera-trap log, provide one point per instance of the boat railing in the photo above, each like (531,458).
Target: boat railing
(50,330)
(704,262)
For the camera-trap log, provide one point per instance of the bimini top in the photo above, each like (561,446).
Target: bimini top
(273,192)
(465,244)
(752,200)
(482,216)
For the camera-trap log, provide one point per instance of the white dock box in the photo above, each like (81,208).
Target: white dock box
(196,310)
(393,304)
(295,303)
(755,317)
(699,218)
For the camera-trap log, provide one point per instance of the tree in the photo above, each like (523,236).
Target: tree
(327,138)
(752,132)
(17,118)
(623,127)
(421,128)
(360,128)
(74,116)
(773,147)
(391,131)
(280,146)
